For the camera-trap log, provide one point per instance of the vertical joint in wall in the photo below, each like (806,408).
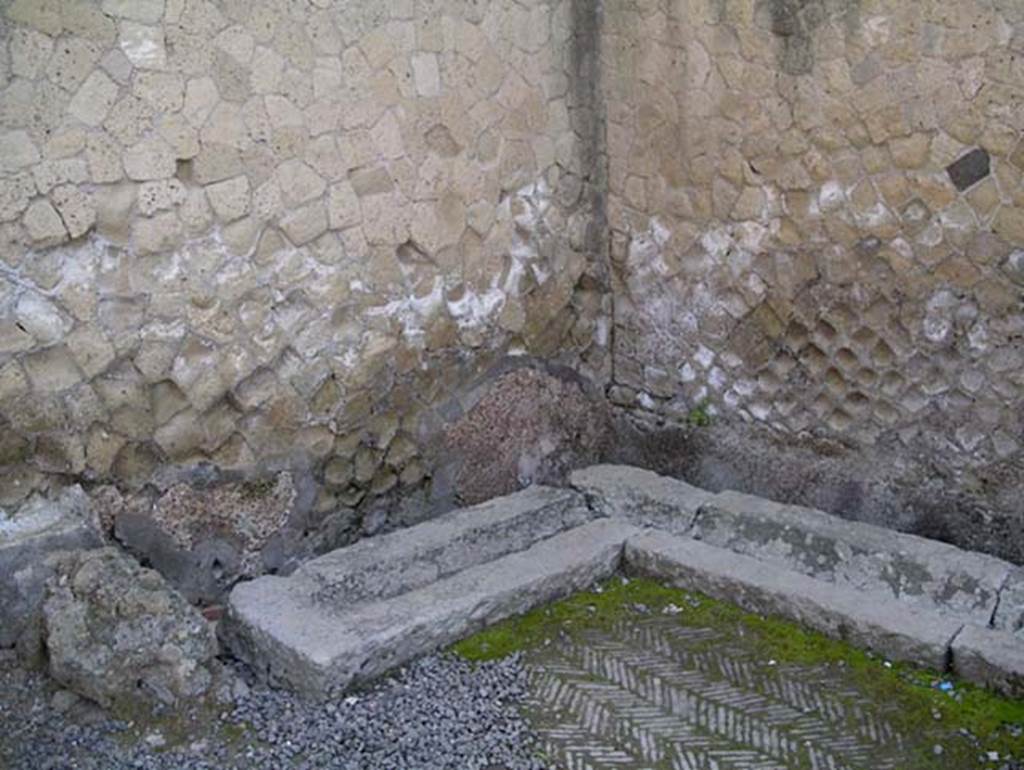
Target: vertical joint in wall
(587,109)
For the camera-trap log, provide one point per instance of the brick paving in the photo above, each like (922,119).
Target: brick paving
(654,693)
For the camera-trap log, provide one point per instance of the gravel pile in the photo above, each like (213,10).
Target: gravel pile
(440,712)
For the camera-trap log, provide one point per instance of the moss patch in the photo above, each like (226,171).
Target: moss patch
(967,721)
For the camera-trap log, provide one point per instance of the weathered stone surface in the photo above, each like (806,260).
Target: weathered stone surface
(528,426)
(52,369)
(644,498)
(156,234)
(146,11)
(875,622)
(117,634)
(143,45)
(94,99)
(204,540)
(991,658)
(213,159)
(1009,615)
(299,183)
(75,208)
(387,565)
(921,573)
(17,150)
(305,224)
(788,259)
(44,224)
(37,529)
(149,159)
(230,198)
(780,279)
(277,626)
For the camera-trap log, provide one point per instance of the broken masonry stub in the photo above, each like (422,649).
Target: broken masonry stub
(970,169)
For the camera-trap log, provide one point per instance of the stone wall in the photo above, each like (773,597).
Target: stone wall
(817,219)
(254,235)
(239,238)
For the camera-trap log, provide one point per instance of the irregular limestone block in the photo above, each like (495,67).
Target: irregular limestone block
(230,198)
(143,45)
(15,193)
(305,224)
(94,99)
(27,536)
(16,151)
(117,633)
(299,183)
(146,11)
(44,224)
(149,159)
(52,369)
(76,209)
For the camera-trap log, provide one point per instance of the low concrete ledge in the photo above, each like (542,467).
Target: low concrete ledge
(276,626)
(387,565)
(865,620)
(925,575)
(990,657)
(355,613)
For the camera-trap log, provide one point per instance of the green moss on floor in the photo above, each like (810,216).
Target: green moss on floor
(968,721)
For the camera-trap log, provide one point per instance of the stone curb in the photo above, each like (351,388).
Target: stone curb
(924,574)
(864,620)
(435,583)
(401,561)
(905,596)
(280,630)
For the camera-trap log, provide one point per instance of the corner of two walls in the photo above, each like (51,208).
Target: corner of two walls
(817,221)
(239,238)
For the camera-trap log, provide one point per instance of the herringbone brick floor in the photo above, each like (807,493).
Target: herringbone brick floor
(654,693)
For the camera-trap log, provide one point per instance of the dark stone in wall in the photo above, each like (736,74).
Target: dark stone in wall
(794,23)
(970,169)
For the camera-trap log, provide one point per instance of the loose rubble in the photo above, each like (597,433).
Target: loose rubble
(440,712)
(118,634)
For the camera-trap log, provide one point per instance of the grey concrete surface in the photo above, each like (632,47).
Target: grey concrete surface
(288,636)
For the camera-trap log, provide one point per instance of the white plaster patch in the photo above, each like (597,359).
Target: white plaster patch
(143,45)
(426,74)
(646,249)
(831,197)
(477,309)
(704,356)
(938,320)
(877,30)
